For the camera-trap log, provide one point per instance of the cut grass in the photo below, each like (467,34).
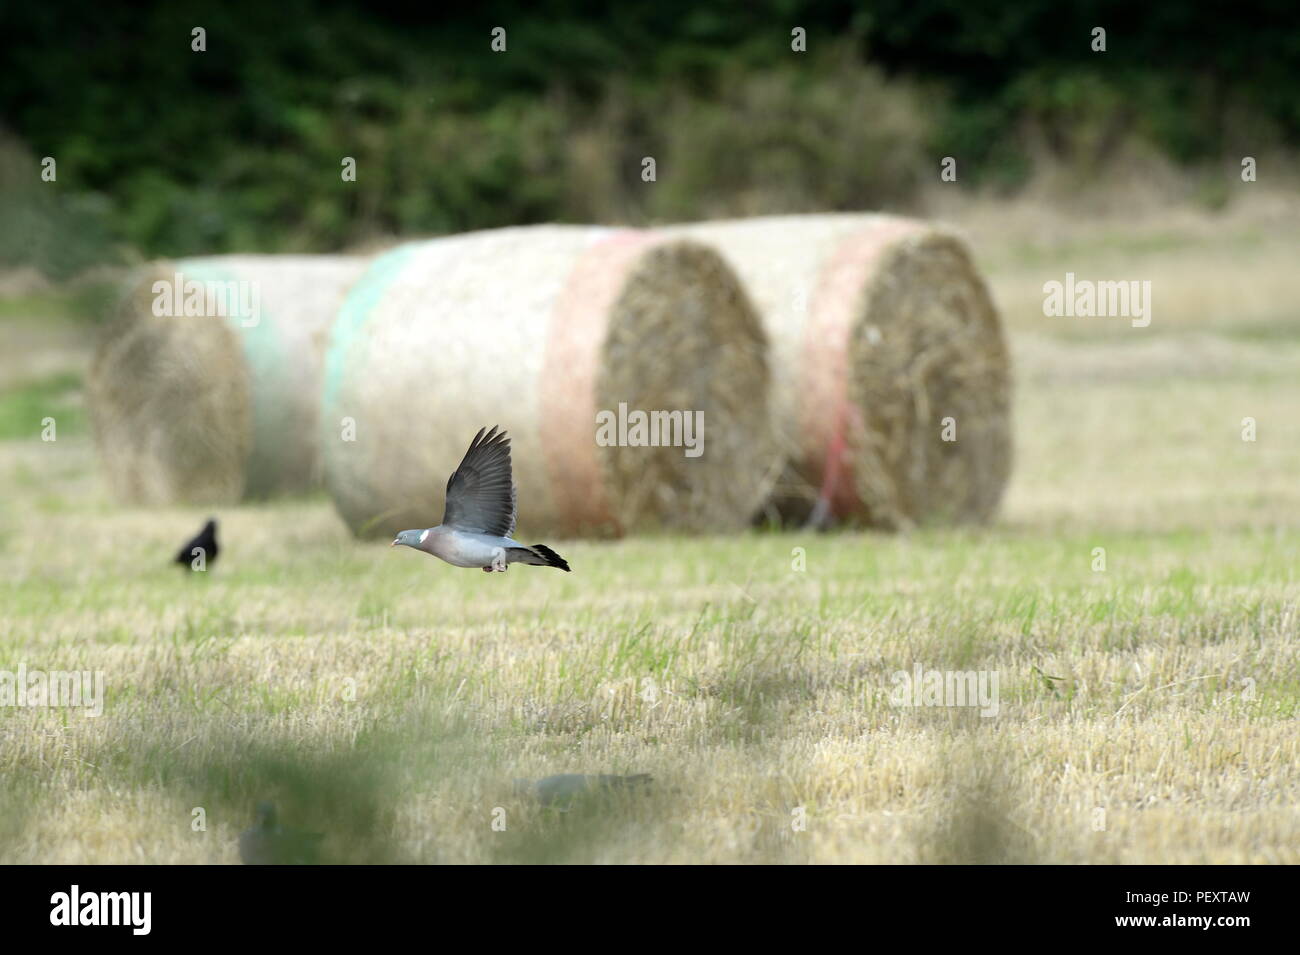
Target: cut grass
(1146,712)
(388,700)
(24,408)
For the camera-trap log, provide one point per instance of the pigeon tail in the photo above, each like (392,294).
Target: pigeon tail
(551,558)
(539,555)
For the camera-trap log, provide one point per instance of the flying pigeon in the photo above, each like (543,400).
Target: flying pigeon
(206,540)
(558,792)
(480,514)
(269,843)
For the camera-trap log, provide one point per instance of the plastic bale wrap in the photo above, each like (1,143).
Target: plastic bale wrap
(891,377)
(215,406)
(538,329)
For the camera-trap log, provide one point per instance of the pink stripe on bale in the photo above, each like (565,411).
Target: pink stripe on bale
(830,417)
(577,332)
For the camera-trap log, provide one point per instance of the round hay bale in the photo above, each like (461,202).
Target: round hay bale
(217,397)
(891,375)
(540,330)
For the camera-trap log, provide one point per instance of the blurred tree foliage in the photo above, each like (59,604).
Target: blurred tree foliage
(240,147)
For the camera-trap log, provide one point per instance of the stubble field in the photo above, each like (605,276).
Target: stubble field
(1147,712)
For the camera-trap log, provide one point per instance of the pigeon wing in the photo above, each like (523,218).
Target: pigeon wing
(481,494)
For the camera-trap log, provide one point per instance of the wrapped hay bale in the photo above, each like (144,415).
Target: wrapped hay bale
(553,333)
(207,387)
(891,380)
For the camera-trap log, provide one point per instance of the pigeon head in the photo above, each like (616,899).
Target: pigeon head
(407,538)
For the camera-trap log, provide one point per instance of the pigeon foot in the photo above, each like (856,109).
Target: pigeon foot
(499,560)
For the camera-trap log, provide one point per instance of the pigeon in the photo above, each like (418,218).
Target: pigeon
(480,514)
(206,540)
(558,792)
(269,843)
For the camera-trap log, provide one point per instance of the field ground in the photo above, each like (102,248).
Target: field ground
(1148,712)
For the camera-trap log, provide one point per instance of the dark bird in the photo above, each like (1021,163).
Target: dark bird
(205,542)
(269,843)
(559,792)
(480,514)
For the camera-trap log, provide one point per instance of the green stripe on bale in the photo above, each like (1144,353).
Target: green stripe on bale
(215,407)
(537,329)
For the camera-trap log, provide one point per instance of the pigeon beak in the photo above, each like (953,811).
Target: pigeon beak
(394,543)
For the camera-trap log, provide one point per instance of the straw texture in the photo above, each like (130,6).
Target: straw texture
(891,379)
(538,329)
(220,403)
